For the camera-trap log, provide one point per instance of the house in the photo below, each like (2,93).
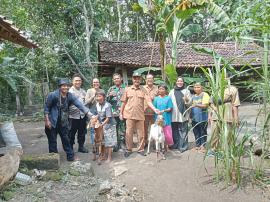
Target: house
(125,57)
(11,33)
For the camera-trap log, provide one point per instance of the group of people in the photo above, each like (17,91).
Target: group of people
(127,110)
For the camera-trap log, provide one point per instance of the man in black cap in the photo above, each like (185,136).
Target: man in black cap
(56,117)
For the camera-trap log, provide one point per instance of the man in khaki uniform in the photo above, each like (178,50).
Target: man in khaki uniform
(132,110)
(231,104)
(152,91)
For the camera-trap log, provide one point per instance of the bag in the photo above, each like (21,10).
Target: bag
(168,135)
(64,118)
(64,112)
(8,133)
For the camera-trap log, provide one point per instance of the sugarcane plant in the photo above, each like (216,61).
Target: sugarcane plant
(252,23)
(227,142)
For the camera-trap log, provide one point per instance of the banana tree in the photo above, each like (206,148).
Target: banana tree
(11,79)
(171,17)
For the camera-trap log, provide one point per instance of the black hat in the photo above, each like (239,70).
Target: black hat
(63,81)
(136,74)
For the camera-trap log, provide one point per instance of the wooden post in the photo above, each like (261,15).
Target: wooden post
(30,94)
(18,104)
(125,77)
(45,90)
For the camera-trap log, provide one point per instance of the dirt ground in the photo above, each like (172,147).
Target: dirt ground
(181,177)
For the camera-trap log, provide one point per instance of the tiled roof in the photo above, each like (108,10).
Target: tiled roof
(9,32)
(143,54)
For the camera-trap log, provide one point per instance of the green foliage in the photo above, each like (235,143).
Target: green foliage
(229,152)
(9,192)
(147,70)
(183,15)
(189,80)
(218,13)
(171,73)
(191,29)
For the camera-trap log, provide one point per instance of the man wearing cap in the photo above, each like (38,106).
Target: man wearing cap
(56,117)
(132,110)
(77,118)
(152,91)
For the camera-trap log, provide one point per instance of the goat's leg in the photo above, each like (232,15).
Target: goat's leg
(157,149)
(149,142)
(163,151)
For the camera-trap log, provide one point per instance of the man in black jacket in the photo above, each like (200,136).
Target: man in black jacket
(56,117)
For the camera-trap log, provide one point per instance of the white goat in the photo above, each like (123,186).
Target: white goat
(157,134)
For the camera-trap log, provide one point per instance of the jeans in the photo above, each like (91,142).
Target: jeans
(180,138)
(52,140)
(77,125)
(200,132)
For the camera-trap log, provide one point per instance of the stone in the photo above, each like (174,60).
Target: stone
(127,199)
(85,168)
(134,189)
(118,191)
(53,175)
(105,187)
(119,163)
(119,170)
(74,172)
(48,161)
(38,174)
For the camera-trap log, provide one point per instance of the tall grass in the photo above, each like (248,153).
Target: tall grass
(262,93)
(230,149)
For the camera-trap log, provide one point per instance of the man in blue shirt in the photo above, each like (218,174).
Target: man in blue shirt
(56,117)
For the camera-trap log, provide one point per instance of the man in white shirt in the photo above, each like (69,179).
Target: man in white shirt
(76,117)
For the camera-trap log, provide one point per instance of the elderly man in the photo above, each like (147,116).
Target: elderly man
(132,110)
(231,103)
(56,117)
(76,117)
(152,91)
(114,98)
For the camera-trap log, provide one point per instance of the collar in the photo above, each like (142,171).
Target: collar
(153,87)
(121,86)
(133,87)
(199,94)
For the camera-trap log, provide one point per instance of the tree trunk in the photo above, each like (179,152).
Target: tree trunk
(45,90)
(162,54)
(18,104)
(30,94)
(125,77)
(119,21)
(89,27)
(9,165)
